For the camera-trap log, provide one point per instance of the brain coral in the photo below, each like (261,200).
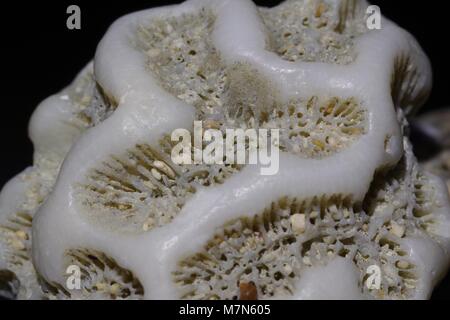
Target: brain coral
(104,194)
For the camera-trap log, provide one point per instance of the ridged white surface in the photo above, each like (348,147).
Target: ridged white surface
(146,112)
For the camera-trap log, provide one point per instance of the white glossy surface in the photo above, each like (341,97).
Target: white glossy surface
(146,112)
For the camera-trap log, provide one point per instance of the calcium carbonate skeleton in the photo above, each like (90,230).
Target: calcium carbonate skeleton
(104,195)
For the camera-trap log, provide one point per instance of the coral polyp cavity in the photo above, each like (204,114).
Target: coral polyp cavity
(105,197)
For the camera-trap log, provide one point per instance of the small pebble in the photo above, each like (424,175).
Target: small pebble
(298,223)
(402,264)
(397,230)
(156,174)
(248,291)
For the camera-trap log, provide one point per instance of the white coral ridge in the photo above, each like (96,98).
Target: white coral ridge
(349,193)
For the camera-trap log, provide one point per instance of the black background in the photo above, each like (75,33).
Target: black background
(40,56)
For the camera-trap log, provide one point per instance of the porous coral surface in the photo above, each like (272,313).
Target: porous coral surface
(105,195)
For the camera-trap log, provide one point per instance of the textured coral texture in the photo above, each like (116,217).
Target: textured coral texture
(104,194)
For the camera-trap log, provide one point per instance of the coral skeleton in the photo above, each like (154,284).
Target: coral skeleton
(105,196)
